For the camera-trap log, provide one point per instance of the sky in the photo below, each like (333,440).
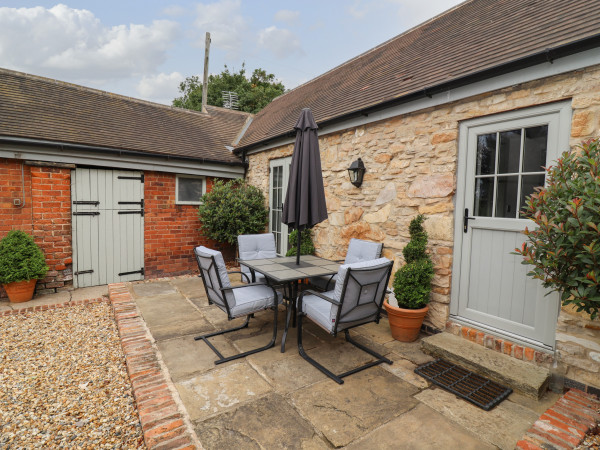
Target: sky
(146,48)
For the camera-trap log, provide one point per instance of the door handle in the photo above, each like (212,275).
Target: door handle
(466,219)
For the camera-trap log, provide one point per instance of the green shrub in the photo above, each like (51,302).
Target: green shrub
(306,243)
(232,208)
(564,249)
(412,282)
(20,258)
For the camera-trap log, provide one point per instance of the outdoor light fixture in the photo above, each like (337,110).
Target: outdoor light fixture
(356,172)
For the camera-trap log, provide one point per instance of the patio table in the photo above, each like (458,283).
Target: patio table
(284,271)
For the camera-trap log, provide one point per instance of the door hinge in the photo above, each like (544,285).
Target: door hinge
(141,271)
(81,272)
(141,203)
(85,202)
(86,213)
(122,177)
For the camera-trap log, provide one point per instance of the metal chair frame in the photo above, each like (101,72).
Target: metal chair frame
(340,319)
(208,286)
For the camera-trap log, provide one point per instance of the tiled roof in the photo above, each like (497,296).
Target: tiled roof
(475,36)
(43,109)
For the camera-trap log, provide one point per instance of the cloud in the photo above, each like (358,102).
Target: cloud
(225,23)
(73,44)
(287,16)
(356,11)
(280,41)
(160,88)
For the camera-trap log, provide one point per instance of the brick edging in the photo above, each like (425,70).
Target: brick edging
(163,425)
(565,424)
(27,309)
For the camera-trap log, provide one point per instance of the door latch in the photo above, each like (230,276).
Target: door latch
(466,219)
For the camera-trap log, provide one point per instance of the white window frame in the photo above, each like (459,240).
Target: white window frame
(195,177)
(284,163)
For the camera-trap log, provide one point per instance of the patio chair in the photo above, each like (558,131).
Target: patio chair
(256,246)
(236,301)
(358,250)
(356,300)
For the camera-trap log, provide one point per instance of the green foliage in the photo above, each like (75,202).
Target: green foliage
(20,258)
(306,243)
(232,208)
(564,249)
(254,93)
(412,282)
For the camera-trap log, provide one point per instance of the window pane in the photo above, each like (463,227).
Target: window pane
(506,198)
(278,176)
(529,182)
(484,197)
(534,153)
(486,154)
(509,150)
(190,189)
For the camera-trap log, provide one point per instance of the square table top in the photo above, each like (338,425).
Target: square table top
(285,269)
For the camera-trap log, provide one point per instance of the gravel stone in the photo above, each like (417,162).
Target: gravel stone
(64,381)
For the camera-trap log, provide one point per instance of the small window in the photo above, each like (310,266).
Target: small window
(189,189)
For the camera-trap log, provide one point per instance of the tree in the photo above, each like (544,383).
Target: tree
(254,93)
(564,249)
(232,208)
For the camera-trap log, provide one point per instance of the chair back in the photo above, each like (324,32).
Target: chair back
(256,246)
(361,288)
(214,275)
(359,250)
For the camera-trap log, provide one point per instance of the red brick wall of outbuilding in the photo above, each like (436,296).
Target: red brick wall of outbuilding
(172,231)
(45,213)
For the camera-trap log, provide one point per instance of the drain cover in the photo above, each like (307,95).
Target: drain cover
(474,388)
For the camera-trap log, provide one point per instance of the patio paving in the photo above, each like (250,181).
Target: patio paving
(278,400)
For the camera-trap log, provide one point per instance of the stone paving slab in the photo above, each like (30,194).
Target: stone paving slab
(503,426)
(421,428)
(366,400)
(219,390)
(153,289)
(269,422)
(191,287)
(186,357)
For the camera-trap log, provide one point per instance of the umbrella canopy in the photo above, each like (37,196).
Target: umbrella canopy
(304,205)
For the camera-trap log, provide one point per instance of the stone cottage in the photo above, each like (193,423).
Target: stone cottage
(455,119)
(108,185)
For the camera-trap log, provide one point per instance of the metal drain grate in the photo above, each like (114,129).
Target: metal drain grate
(474,388)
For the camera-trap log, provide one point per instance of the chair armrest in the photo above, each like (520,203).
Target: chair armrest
(320,295)
(241,273)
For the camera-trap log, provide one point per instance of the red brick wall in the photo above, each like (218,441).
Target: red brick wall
(46,215)
(172,231)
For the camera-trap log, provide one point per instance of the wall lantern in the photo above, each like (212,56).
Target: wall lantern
(356,172)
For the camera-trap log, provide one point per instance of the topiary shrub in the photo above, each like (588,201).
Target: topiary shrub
(307,247)
(564,249)
(20,258)
(232,208)
(412,282)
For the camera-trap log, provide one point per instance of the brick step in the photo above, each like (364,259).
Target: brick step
(522,377)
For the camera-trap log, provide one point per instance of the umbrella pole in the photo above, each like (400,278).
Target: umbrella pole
(298,247)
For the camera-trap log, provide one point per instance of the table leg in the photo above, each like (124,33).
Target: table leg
(290,309)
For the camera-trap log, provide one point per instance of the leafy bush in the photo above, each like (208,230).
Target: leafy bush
(565,248)
(232,208)
(306,243)
(412,282)
(20,258)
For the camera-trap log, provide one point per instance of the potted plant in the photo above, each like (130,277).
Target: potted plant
(411,286)
(21,264)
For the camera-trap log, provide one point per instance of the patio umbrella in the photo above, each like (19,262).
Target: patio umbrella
(304,205)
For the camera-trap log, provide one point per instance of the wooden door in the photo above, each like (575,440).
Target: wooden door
(501,163)
(108,226)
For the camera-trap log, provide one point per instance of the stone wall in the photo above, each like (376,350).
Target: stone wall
(411,165)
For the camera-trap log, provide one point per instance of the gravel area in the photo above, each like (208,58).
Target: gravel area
(64,381)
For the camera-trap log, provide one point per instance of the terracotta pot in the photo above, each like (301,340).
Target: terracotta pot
(405,323)
(20,291)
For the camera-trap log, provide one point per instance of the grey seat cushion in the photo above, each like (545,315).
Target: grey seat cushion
(256,246)
(250,299)
(222,274)
(358,250)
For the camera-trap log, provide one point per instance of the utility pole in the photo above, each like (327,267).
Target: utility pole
(205,80)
